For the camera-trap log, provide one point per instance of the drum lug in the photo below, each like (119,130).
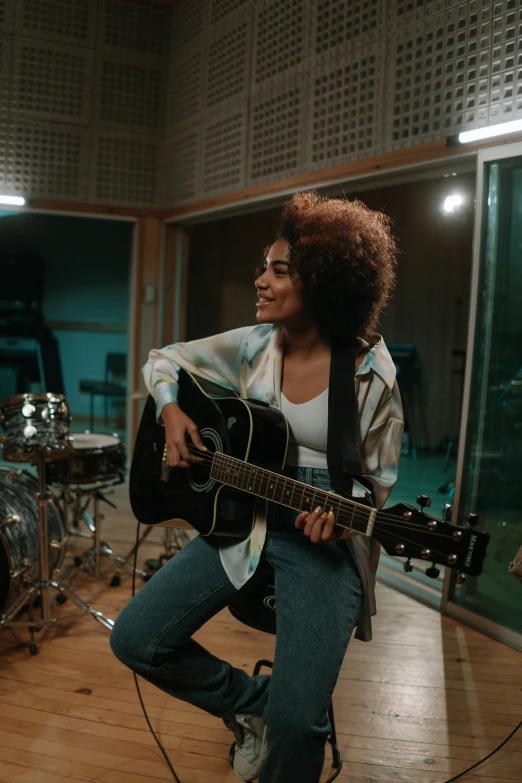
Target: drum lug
(56,544)
(26,564)
(12,519)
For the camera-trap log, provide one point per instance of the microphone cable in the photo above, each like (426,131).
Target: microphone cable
(158,743)
(160,746)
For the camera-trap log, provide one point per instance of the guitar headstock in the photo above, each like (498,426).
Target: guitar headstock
(405,531)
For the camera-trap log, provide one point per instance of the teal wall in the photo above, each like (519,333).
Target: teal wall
(87,266)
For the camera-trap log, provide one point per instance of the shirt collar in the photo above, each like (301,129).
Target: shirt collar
(378,359)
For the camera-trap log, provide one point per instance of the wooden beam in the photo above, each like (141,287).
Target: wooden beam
(82,208)
(376,164)
(144,319)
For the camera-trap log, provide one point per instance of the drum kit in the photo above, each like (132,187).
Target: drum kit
(34,521)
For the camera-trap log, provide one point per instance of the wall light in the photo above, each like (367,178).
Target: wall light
(452,203)
(493,130)
(14,201)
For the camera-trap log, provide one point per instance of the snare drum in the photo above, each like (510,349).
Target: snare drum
(19,534)
(96,458)
(35,422)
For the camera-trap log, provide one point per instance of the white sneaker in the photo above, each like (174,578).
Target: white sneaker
(250,752)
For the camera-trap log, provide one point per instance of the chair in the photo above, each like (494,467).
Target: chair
(255,607)
(113,385)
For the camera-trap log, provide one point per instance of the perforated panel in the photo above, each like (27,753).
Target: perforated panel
(278,131)
(281,37)
(346,116)
(6,15)
(51,80)
(130,94)
(224,151)
(182,167)
(185,90)
(188,22)
(126,170)
(338,23)
(506,62)
(67,21)
(403,13)
(438,75)
(228,63)
(5,75)
(135,25)
(46,160)
(221,8)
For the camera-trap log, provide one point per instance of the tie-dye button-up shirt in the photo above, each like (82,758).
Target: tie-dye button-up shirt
(249,361)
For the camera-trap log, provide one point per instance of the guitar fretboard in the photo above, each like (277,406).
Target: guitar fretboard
(289,492)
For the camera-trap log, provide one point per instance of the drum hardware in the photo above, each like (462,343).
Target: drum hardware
(40,588)
(35,431)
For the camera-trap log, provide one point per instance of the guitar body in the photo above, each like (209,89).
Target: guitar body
(239,428)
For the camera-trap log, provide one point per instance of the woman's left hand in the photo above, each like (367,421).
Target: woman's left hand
(320,526)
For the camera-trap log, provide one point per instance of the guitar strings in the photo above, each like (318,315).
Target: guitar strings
(361,515)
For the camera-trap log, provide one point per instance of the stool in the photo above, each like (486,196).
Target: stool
(255,607)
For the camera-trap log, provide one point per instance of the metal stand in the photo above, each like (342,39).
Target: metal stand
(41,589)
(91,561)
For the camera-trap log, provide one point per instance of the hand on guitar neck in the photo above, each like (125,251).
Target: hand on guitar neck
(319,526)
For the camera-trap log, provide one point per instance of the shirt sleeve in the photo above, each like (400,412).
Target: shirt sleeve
(217,359)
(381,449)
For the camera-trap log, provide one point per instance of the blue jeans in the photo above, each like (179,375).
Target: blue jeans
(318,598)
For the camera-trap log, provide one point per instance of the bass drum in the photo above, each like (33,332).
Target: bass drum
(19,534)
(95,458)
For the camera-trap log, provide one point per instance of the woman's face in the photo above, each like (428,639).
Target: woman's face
(279,296)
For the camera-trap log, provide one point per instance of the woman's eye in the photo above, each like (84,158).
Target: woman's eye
(280,272)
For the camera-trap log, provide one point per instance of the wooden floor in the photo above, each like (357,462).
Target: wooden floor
(424,700)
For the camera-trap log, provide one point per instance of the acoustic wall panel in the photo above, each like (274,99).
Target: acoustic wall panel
(341,26)
(6,47)
(346,102)
(183,161)
(221,8)
(281,39)
(46,160)
(278,130)
(135,25)
(126,169)
(65,21)
(6,16)
(224,152)
(130,94)
(185,89)
(189,22)
(227,62)
(506,62)
(51,81)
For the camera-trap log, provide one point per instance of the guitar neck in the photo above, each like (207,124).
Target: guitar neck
(289,492)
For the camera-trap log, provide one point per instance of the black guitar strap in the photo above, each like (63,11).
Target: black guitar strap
(344,460)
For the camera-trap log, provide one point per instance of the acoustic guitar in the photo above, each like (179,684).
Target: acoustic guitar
(247,443)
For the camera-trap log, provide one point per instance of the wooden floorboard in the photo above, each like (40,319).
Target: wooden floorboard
(427,698)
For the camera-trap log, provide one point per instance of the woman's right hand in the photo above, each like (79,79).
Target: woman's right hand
(177,426)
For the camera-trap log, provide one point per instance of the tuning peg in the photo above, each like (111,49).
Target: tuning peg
(432,571)
(408,565)
(446,514)
(460,579)
(424,501)
(472,520)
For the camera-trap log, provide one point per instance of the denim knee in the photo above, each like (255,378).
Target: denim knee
(127,643)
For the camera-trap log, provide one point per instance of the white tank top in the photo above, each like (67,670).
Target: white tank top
(308,422)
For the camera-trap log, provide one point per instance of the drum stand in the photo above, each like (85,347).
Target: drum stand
(91,561)
(42,588)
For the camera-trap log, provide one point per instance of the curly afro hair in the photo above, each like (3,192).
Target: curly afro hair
(344,254)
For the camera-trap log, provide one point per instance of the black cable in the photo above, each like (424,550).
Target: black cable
(160,746)
(158,743)
(481,761)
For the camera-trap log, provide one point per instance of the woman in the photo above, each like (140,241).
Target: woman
(320,291)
